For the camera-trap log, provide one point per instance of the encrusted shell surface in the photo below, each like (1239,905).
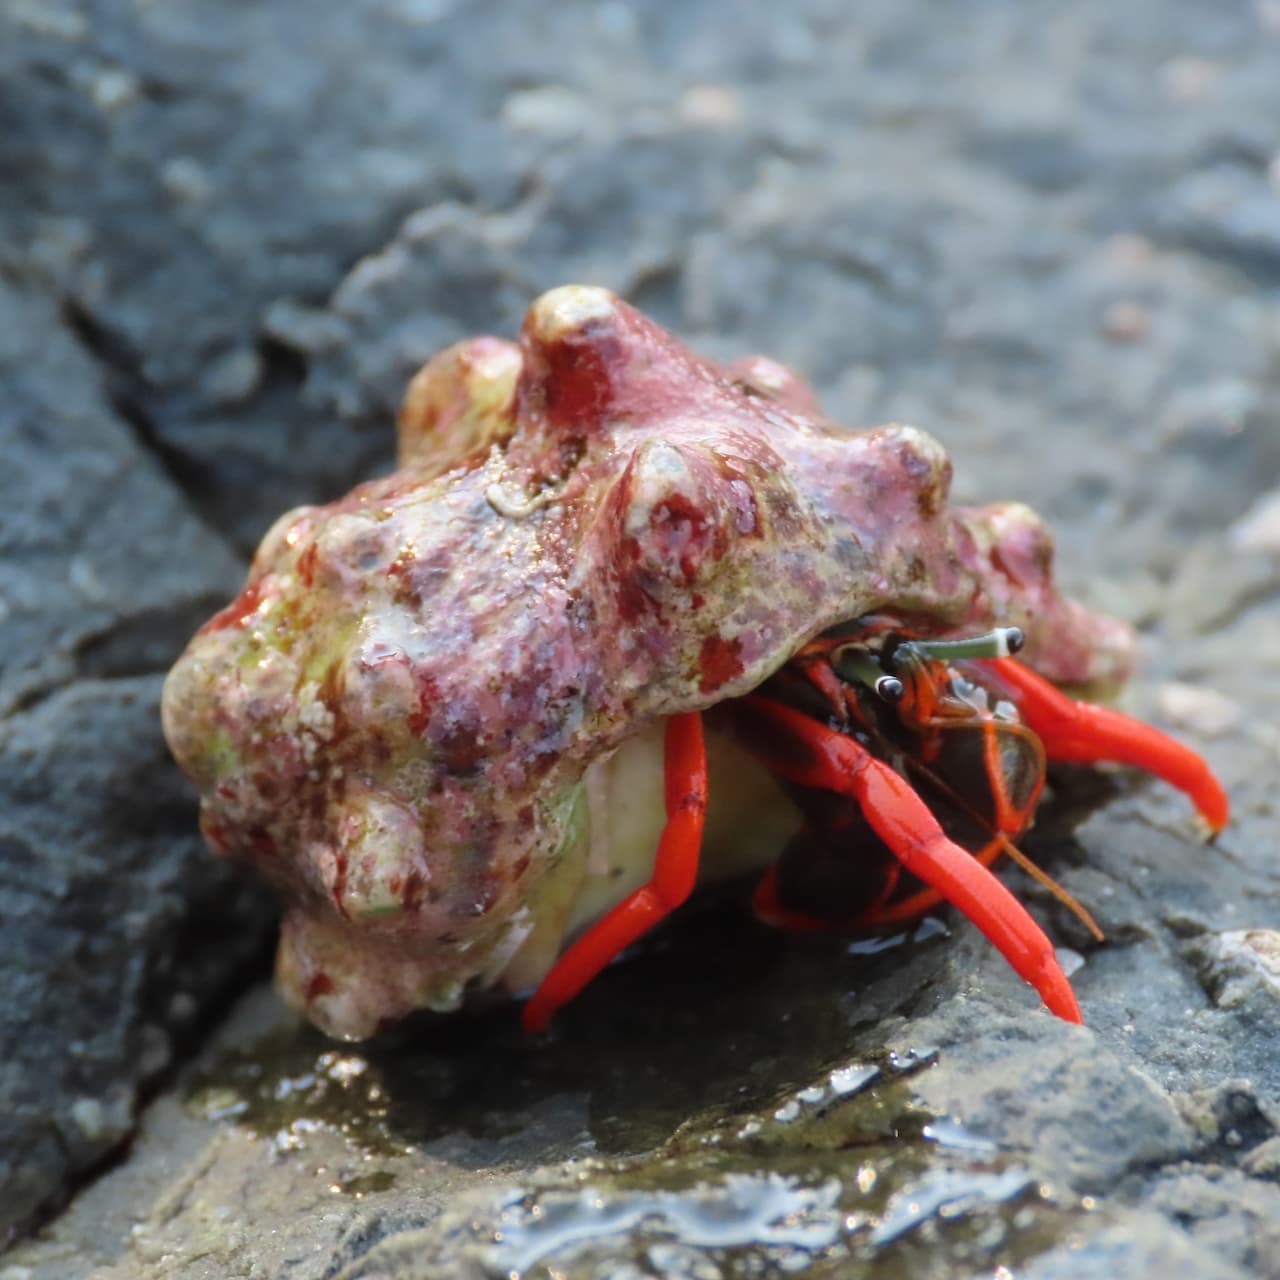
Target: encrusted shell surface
(588,531)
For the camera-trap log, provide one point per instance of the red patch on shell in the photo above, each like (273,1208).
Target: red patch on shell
(414,890)
(633,600)
(263,842)
(215,833)
(340,882)
(684,525)
(320,985)
(577,384)
(428,692)
(237,611)
(402,564)
(720,660)
(307,566)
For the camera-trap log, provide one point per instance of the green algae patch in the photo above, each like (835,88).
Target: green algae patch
(287,1082)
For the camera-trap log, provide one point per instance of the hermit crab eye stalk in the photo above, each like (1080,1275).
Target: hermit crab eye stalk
(854,663)
(1000,642)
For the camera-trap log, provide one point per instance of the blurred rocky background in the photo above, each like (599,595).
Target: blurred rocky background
(230,229)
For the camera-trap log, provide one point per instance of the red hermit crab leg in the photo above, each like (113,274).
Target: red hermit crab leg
(1082,733)
(812,755)
(675,869)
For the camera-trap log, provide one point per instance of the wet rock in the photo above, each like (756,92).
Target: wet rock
(103,571)
(103,568)
(119,931)
(1240,967)
(1231,212)
(1264,1160)
(1132,1244)
(1232,1216)
(1040,1087)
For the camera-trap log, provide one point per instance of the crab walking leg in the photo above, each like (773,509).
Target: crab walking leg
(830,761)
(1081,733)
(675,869)
(768,907)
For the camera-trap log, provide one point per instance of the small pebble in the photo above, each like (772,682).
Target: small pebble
(1239,965)
(1200,710)
(1264,1160)
(1259,528)
(711,106)
(1187,79)
(1126,322)
(185,180)
(114,89)
(90,1118)
(1128,252)
(550,110)
(233,377)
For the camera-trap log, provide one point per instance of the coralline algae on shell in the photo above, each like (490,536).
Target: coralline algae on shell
(588,531)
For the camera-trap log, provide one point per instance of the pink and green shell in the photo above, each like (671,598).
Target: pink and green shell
(407,718)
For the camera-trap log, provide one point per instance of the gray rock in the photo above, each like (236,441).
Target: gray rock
(1083,1113)
(1230,1215)
(1133,1244)
(119,930)
(1240,967)
(103,573)
(103,568)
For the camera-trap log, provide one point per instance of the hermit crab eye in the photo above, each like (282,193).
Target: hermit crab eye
(890,688)
(854,663)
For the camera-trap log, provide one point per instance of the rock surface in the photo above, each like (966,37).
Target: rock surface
(117,928)
(1051,237)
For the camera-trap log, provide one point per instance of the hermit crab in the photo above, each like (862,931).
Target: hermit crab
(457,717)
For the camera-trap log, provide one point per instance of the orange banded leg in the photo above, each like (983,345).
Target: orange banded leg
(1079,732)
(675,869)
(812,755)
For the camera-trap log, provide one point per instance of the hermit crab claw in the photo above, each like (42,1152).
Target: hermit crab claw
(1083,733)
(812,755)
(424,717)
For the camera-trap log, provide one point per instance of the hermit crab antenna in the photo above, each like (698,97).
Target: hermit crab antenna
(1063,895)
(853,663)
(999,642)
